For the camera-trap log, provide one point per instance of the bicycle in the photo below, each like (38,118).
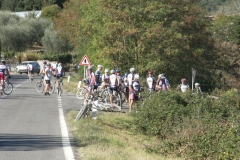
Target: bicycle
(60,89)
(7,87)
(87,107)
(94,101)
(116,98)
(40,85)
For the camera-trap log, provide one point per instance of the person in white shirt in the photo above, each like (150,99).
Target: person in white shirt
(184,87)
(47,78)
(30,70)
(59,71)
(151,81)
(105,79)
(114,83)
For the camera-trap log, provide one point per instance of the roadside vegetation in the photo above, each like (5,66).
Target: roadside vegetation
(169,125)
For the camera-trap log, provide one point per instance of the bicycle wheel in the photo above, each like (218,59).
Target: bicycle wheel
(81,112)
(39,86)
(105,96)
(7,88)
(59,90)
(81,92)
(51,88)
(117,101)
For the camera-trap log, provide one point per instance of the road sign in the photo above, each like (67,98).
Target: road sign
(85,61)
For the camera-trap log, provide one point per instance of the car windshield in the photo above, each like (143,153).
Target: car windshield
(24,64)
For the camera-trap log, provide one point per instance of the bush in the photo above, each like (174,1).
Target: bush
(193,126)
(50,11)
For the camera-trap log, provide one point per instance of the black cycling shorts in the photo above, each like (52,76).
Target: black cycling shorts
(47,81)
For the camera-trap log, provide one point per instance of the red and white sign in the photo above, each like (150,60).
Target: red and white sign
(85,61)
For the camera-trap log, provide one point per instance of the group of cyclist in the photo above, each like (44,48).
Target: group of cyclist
(4,74)
(48,71)
(114,80)
(162,84)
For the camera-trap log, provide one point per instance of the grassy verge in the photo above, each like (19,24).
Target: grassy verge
(111,137)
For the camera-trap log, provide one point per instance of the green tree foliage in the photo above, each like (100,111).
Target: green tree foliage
(19,33)
(64,58)
(53,43)
(28,5)
(50,11)
(166,36)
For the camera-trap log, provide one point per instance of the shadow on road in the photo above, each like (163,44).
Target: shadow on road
(25,142)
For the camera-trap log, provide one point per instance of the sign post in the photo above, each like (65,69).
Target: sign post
(85,62)
(193,76)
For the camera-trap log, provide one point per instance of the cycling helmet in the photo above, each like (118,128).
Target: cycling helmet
(132,69)
(197,84)
(161,76)
(59,65)
(48,64)
(3,61)
(183,80)
(106,70)
(136,76)
(100,66)
(150,72)
(112,71)
(44,62)
(118,70)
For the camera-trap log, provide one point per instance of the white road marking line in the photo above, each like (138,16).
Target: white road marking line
(65,138)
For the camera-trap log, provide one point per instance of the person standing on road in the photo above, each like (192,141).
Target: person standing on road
(105,79)
(47,78)
(59,72)
(91,79)
(134,90)
(3,69)
(30,70)
(114,83)
(98,75)
(130,79)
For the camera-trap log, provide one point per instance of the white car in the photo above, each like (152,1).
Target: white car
(22,67)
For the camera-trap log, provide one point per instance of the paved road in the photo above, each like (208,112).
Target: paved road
(32,125)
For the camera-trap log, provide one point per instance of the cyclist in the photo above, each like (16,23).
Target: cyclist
(151,81)
(198,88)
(98,75)
(162,83)
(130,79)
(91,79)
(47,78)
(125,81)
(59,73)
(30,70)
(114,83)
(134,90)
(105,79)
(3,70)
(184,86)
(119,77)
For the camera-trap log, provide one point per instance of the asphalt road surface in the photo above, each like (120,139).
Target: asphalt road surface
(33,126)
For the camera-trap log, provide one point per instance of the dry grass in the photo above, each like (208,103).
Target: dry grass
(111,137)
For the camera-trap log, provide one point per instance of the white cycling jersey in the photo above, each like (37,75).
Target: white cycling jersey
(113,80)
(151,81)
(30,67)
